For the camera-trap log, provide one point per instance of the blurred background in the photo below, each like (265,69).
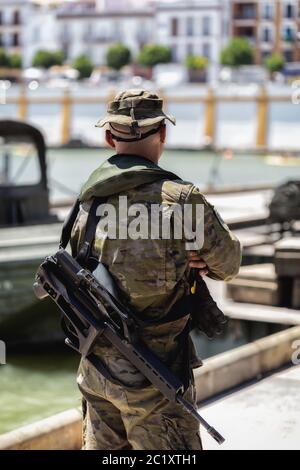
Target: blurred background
(229,71)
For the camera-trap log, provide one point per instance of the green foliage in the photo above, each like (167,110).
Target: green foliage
(4,59)
(153,54)
(84,65)
(118,56)
(238,52)
(47,59)
(275,63)
(15,61)
(196,62)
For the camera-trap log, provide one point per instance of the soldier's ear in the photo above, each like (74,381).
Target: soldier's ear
(163,133)
(109,140)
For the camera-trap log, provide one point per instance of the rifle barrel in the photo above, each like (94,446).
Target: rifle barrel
(212,431)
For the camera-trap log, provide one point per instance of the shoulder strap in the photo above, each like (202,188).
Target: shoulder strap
(90,231)
(68,225)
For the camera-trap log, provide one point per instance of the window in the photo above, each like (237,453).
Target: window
(36,34)
(206,25)
(15,40)
(1,18)
(288,56)
(267,11)
(65,33)
(207,50)
(190,26)
(19,162)
(249,12)
(190,49)
(288,34)
(245,12)
(289,11)
(174,27)
(174,53)
(265,55)
(16,17)
(87,32)
(267,35)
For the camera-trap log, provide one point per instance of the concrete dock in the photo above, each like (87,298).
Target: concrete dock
(264,415)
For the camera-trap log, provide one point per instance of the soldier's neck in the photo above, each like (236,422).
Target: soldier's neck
(152,158)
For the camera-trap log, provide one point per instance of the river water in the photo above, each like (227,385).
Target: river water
(35,386)
(68,169)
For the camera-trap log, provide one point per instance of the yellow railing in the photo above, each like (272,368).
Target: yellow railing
(210,101)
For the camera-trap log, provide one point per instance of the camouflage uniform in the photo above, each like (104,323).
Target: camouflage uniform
(152,274)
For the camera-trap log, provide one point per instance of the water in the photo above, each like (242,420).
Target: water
(68,169)
(36,386)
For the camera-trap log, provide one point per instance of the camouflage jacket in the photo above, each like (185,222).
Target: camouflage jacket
(152,273)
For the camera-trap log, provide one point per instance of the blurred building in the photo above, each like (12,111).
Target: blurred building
(199,27)
(269,25)
(91,27)
(13,15)
(40,31)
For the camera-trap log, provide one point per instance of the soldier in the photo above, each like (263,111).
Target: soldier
(152,274)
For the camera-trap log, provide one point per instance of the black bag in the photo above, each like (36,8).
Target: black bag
(285,204)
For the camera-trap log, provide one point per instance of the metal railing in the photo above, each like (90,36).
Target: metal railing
(210,101)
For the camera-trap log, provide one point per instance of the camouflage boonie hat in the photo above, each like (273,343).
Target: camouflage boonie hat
(135,108)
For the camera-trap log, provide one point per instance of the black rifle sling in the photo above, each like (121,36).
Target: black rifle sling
(68,225)
(90,229)
(85,250)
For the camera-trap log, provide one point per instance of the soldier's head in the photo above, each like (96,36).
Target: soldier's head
(135,124)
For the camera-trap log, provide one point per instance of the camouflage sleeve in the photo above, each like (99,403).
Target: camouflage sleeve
(78,230)
(221,249)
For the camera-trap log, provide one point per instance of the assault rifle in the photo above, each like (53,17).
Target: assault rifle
(91,309)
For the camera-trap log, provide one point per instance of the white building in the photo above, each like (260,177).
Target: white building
(91,26)
(198,27)
(84,29)
(13,15)
(40,32)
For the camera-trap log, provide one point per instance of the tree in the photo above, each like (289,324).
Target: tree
(118,56)
(84,65)
(196,62)
(4,59)
(47,59)
(15,61)
(274,63)
(238,52)
(153,54)
(196,65)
